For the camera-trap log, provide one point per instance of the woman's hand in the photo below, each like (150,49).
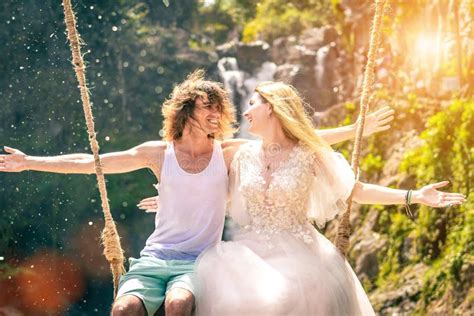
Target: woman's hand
(378,121)
(149,205)
(429,195)
(15,161)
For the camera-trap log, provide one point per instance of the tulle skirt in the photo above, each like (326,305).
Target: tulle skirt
(277,274)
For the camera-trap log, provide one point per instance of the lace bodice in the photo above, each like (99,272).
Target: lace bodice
(302,187)
(280,204)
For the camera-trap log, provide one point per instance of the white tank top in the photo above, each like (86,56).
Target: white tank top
(191,208)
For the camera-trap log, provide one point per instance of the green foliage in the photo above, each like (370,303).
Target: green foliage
(222,21)
(440,239)
(448,150)
(278,18)
(350,106)
(444,238)
(372,164)
(399,228)
(241,11)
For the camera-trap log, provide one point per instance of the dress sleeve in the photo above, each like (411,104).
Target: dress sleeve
(331,187)
(236,208)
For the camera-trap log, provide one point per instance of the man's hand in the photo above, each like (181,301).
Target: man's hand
(14,162)
(378,121)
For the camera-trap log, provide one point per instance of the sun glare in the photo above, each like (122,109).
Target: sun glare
(426,49)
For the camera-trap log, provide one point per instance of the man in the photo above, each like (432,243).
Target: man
(191,167)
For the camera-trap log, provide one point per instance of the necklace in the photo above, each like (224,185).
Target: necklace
(275,152)
(267,160)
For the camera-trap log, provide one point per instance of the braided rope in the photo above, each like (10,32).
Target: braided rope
(110,238)
(343,232)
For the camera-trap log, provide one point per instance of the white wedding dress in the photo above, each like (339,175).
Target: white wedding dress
(277,263)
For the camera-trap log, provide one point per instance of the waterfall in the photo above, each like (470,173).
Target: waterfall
(233,79)
(319,69)
(324,75)
(241,85)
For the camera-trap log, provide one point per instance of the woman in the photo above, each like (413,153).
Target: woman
(277,263)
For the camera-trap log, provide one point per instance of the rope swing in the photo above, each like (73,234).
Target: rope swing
(110,238)
(343,232)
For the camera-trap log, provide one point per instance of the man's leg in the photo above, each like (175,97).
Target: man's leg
(179,298)
(142,289)
(128,305)
(179,302)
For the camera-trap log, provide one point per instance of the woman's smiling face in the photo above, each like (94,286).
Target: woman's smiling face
(257,114)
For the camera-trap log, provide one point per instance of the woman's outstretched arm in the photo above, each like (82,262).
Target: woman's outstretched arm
(365,193)
(374,123)
(146,155)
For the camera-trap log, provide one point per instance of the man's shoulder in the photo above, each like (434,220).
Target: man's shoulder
(234,143)
(153,146)
(236,146)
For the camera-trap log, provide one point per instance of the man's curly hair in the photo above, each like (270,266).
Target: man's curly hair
(179,108)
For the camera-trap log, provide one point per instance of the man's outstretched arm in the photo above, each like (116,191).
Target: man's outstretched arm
(374,123)
(141,156)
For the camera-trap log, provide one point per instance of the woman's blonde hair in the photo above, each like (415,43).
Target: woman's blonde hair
(290,110)
(179,108)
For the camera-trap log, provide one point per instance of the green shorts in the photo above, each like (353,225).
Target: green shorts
(149,279)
